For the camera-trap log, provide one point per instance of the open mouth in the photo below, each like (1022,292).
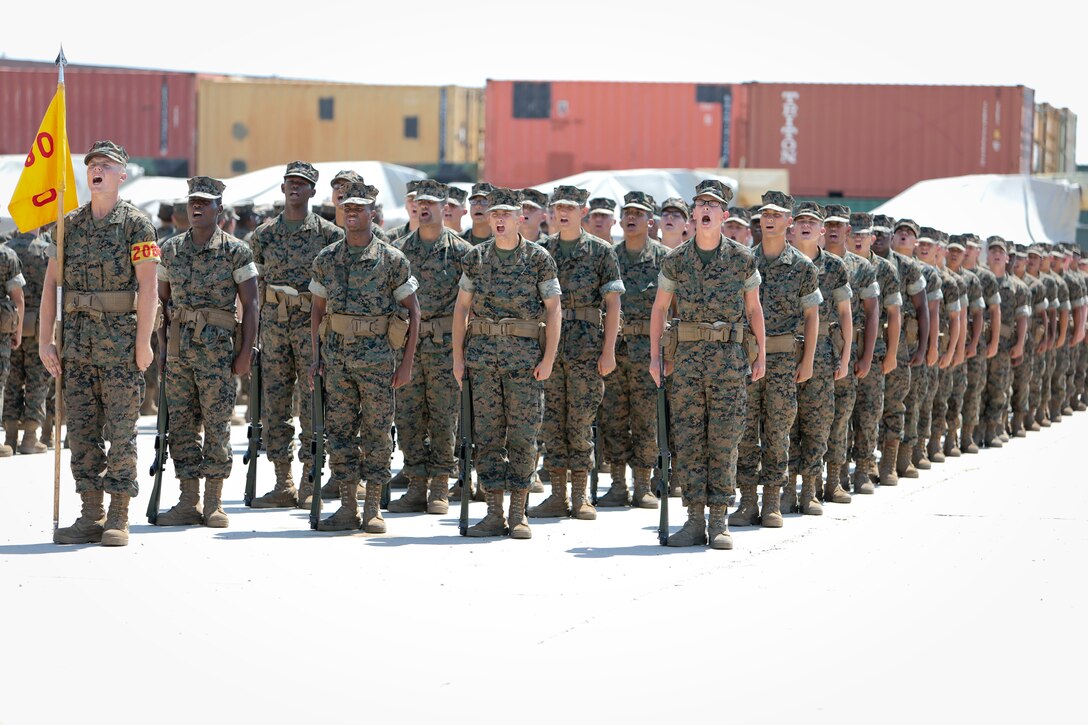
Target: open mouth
(705,220)
(500,228)
(96,180)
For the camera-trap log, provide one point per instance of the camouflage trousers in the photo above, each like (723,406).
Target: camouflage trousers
(1080,379)
(976,383)
(427,410)
(1021,382)
(919,382)
(285,363)
(102,405)
(507,410)
(896,395)
(629,415)
(997,383)
(1048,379)
(925,412)
(24,395)
(938,423)
(1070,372)
(358,421)
(200,391)
(706,422)
(1035,387)
(571,397)
(816,413)
(1057,381)
(868,407)
(772,405)
(5,369)
(955,399)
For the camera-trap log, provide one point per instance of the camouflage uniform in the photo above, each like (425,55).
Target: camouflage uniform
(953,291)
(11,277)
(919,401)
(1077,300)
(897,384)
(102,385)
(1014,305)
(1057,355)
(24,396)
(284,258)
(199,382)
(790,286)
(507,400)
(978,366)
(971,301)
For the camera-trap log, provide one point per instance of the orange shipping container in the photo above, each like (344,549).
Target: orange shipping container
(877,140)
(539,131)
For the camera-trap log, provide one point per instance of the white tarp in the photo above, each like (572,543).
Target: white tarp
(1022,209)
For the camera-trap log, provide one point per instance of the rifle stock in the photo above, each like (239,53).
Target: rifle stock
(317,447)
(253,452)
(465,477)
(664,456)
(162,437)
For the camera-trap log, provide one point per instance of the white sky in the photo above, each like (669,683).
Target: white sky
(435,43)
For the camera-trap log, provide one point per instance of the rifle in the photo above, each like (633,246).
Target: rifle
(317,447)
(465,472)
(162,440)
(594,472)
(256,403)
(664,456)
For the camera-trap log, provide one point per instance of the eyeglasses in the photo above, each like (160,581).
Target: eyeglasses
(708,203)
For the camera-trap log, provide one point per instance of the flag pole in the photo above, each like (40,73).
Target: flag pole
(58,403)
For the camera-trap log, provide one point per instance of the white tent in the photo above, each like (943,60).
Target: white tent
(1022,209)
(658,183)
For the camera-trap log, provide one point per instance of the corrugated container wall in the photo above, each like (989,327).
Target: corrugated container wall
(1054,140)
(151,113)
(875,141)
(246,124)
(539,131)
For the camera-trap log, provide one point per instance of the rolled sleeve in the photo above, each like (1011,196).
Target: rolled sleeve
(840,294)
(918,286)
(871,291)
(406,290)
(1023,311)
(954,306)
(1065,306)
(894,300)
(615,285)
(466,283)
(935,295)
(964,302)
(994,299)
(978,304)
(811,299)
(1041,306)
(16,282)
(318,289)
(755,280)
(51,250)
(249,271)
(549,288)
(667,284)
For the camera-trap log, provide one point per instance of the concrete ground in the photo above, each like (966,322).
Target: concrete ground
(957,595)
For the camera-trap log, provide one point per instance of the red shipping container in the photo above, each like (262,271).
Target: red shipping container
(539,131)
(151,113)
(876,140)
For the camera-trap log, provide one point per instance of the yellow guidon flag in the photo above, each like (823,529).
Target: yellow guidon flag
(48,169)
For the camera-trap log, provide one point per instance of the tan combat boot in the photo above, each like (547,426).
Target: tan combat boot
(438,502)
(87,529)
(933,450)
(30,443)
(535,486)
(373,523)
(115,530)
(412,502)
(874,472)
(809,506)
(693,532)
(888,454)
(903,466)
(11,440)
(1017,426)
(617,494)
(719,535)
(331,489)
(951,443)
(400,480)
(862,484)
(747,513)
(789,495)
(284,495)
(644,494)
(993,435)
(581,507)
(918,456)
(306,490)
(214,515)
(493,524)
(187,510)
(519,525)
(346,518)
(967,440)
(833,490)
(556,505)
(47,432)
(771,515)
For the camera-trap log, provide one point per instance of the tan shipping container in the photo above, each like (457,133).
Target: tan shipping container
(244,124)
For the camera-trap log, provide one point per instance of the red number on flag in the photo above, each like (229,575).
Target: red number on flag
(29,159)
(42,138)
(46,197)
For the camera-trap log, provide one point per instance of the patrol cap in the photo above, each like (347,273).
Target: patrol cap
(996,241)
(112,151)
(571,195)
(971,240)
(639,200)
(777,201)
(861,222)
(754,213)
(927,234)
(809,209)
(740,215)
(533,197)
(909,224)
(431,190)
(303,170)
(277,206)
(410,188)
(205,187)
(243,208)
(1055,251)
(882,223)
(372,193)
(357,192)
(345,175)
(602,205)
(675,202)
(837,213)
(956,241)
(456,195)
(1021,251)
(1038,249)
(715,190)
(166,206)
(501,199)
(1067,247)
(482,188)
(180,204)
